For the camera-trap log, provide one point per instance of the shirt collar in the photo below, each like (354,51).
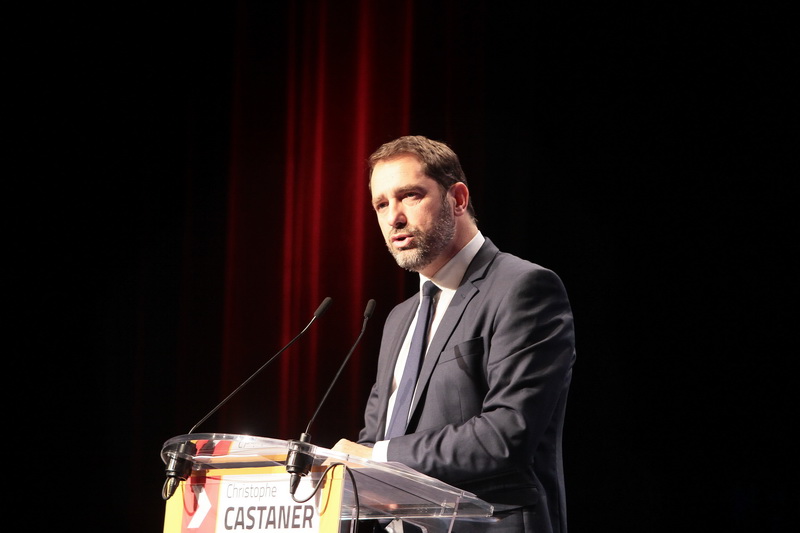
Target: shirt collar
(450,275)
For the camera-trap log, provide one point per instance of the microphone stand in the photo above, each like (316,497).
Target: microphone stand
(299,458)
(179,465)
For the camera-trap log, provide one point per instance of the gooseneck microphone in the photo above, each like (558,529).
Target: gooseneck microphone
(179,465)
(299,458)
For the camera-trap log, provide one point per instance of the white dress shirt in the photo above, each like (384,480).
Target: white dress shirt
(448,278)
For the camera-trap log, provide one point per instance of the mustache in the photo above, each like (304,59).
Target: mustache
(406,230)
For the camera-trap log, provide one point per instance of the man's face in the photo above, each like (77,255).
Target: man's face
(416,219)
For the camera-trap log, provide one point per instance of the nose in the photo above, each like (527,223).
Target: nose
(395,216)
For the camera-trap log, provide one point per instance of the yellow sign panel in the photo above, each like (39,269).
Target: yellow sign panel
(255,499)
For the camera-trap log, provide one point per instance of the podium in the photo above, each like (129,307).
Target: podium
(240,482)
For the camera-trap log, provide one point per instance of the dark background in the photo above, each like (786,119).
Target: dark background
(646,154)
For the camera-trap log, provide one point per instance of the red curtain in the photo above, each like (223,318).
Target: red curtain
(300,227)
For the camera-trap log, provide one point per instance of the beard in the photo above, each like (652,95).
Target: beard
(427,244)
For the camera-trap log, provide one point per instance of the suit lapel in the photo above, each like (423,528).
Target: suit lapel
(466,291)
(406,316)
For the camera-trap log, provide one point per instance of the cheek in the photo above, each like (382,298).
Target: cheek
(421,219)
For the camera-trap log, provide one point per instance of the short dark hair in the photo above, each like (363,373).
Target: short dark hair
(439,161)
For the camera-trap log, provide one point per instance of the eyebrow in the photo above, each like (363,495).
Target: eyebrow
(406,189)
(399,191)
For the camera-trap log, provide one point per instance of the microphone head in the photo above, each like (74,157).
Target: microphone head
(323,307)
(370,309)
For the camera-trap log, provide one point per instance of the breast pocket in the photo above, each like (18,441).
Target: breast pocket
(459,380)
(463,352)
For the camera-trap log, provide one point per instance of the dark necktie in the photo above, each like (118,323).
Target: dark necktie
(416,354)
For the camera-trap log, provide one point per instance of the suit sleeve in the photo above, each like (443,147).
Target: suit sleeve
(368,434)
(524,323)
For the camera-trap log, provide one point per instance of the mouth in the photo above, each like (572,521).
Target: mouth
(401,240)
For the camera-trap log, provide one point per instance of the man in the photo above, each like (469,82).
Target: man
(488,406)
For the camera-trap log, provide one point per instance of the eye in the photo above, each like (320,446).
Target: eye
(380,206)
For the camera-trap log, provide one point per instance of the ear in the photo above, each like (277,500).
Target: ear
(460,194)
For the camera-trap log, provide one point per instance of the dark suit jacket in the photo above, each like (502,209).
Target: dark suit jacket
(489,409)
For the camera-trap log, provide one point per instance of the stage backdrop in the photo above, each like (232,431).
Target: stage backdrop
(198,186)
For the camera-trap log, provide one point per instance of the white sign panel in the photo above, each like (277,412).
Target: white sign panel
(263,503)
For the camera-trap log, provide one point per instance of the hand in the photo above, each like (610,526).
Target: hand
(351,448)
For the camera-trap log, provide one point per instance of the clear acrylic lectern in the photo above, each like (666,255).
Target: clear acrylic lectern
(233,478)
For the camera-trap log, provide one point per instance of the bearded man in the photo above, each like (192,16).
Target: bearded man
(476,395)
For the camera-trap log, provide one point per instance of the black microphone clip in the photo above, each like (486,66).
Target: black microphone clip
(179,467)
(298,460)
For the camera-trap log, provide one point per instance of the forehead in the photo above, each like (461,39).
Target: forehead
(399,172)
